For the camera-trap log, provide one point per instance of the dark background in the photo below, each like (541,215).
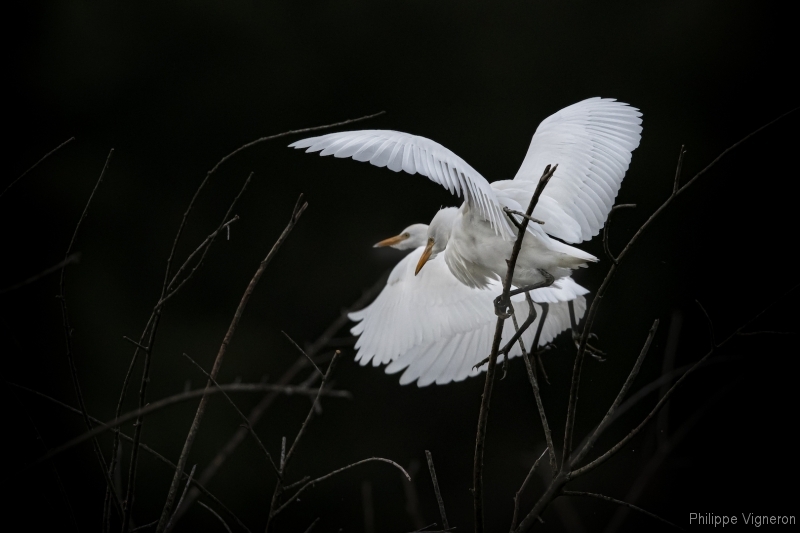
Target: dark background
(173,87)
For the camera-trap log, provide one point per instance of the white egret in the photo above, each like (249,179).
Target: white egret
(591,141)
(436,328)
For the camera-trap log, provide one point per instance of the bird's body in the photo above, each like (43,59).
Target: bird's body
(431,323)
(435,328)
(590,141)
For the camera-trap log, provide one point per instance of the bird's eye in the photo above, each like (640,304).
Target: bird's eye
(406,235)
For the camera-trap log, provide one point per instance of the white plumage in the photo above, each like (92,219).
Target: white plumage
(591,141)
(437,328)
(439,324)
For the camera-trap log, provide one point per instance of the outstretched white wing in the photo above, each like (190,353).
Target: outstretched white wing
(415,155)
(592,143)
(436,328)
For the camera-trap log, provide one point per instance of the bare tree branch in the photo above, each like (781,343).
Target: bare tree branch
(483,415)
(68,341)
(522,489)
(299,208)
(313,482)
(212,511)
(620,502)
(241,415)
(48,154)
(257,412)
(71,259)
(196,484)
(439,499)
(622,393)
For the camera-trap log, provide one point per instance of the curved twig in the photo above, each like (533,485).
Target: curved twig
(619,502)
(313,482)
(48,154)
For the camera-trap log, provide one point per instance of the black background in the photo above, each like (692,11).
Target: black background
(173,87)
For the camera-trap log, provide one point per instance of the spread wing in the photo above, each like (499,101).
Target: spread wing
(592,143)
(416,155)
(436,328)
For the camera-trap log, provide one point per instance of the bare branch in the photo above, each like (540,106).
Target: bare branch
(300,207)
(620,502)
(196,484)
(677,183)
(523,215)
(182,397)
(439,499)
(68,342)
(212,511)
(548,435)
(302,430)
(313,482)
(622,393)
(71,259)
(304,353)
(241,415)
(483,416)
(314,523)
(48,154)
(607,229)
(603,458)
(183,495)
(258,411)
(522,489)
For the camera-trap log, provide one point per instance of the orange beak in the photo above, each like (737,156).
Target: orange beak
(391,241)
(424,257)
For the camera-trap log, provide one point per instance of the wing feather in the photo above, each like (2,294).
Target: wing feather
(436,329)
(592,143)
(414,155)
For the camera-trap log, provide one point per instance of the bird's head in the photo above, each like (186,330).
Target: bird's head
(414,236)
(438,235)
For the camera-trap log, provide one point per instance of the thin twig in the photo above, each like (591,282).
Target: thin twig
(299,208)
(196,484)
(711,334)
(523,215)
(241,415)
(439,499)
(140,346)
(257,412)
(522,489)
(68,341)
(71,259)
(303,352)
(619,502)
(313,482)
(603,458)
(314,523)
(483,416)
(677,183)
(52,463)
(146,526)
(607,228)
(664,448)
(601,427)
(548,435)
(212,511)
(183,495)
(182,397)
(151,327)
(48,154)
(302,430)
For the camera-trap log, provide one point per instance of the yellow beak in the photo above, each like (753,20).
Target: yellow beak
(391,241)
(424,257)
